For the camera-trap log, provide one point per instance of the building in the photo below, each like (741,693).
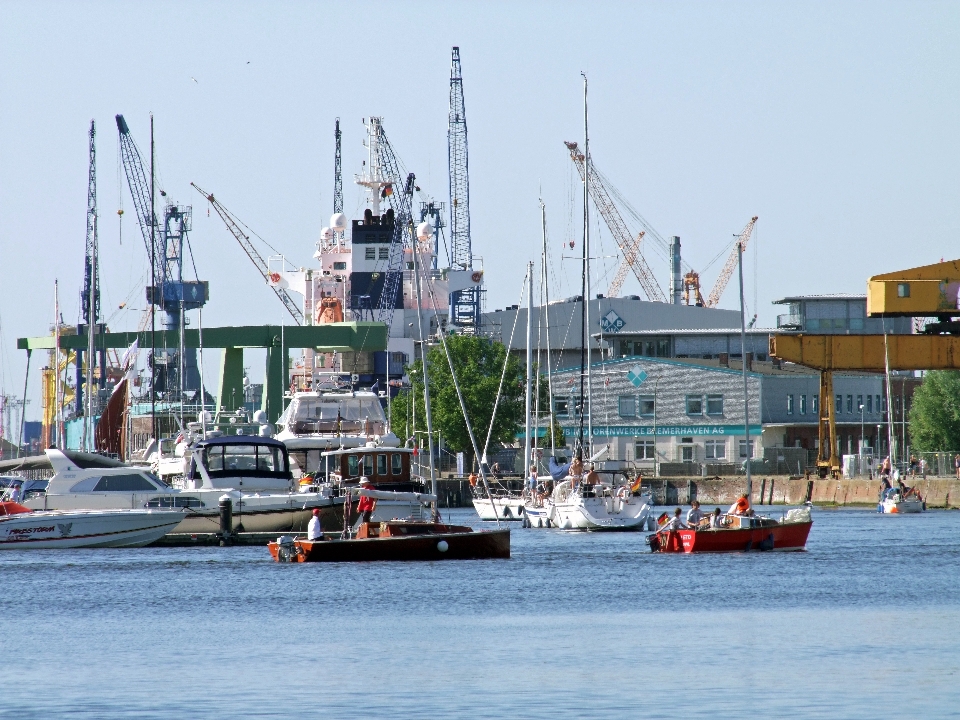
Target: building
(836,314)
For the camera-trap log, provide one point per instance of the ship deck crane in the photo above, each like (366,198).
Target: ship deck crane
(629,245)
(233,225)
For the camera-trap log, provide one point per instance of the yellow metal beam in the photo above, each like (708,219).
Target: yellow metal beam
(867,353)
(923,291)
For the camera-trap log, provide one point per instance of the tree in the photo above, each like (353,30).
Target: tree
(935,412)
(479,363)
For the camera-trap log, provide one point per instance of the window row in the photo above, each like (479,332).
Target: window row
(863,403)
(371,253)
(715,450)
(629,406)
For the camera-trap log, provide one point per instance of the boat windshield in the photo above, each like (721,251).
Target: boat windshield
(244,459)
(344,408)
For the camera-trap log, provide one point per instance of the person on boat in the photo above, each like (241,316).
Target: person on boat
(694,515)
(314,531)
(675,523)
(532,479)
(367,505)
(473,479)
(741,507)
(495,469)
(592,478)
(576,472)
(716,520)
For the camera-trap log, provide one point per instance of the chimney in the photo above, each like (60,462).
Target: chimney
(724,359)
(749,360)
(676,285)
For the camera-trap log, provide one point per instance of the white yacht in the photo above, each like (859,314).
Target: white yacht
(252,471)
(318,421)
(599,506)
(21,528)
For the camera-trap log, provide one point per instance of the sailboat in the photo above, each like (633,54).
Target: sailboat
(587,498)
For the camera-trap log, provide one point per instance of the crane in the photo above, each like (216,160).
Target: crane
(721,284)
(233,225)
(464,304)
(618,228)
(337,178)
(628,259)
(90,295)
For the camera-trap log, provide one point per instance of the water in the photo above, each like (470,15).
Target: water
(862,625)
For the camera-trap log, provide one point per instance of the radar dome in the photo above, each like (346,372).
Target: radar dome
(424,231)
(326,234)
(338,222)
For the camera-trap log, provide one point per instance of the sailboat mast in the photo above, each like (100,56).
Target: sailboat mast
(545,320)
(586,268)
(528,451)
(57,387)
(426,383)
(743,356)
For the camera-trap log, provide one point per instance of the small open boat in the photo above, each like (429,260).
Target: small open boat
(740,534)
(893,501)
(398,540)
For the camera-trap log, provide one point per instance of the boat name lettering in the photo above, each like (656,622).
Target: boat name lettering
(17,532)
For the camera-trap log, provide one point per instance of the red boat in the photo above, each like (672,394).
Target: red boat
(398,540)
(742,534)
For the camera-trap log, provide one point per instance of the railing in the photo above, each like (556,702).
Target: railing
(789,322)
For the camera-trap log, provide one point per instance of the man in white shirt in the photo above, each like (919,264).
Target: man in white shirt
(314,531)
(675,523)
(694,515)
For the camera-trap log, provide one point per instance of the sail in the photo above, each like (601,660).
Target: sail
(109,436)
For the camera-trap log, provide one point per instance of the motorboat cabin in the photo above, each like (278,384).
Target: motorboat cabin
(388,468)
(248,463)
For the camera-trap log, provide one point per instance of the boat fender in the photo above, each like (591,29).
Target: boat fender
(442,546)
(540,522)
(654,542)
(549,524)
(767,544)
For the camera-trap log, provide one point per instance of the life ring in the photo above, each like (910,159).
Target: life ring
(476,276)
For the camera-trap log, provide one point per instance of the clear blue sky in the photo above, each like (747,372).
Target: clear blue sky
(836,123)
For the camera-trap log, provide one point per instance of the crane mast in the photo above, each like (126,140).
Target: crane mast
(337,179)
(629,256)
(91,279)
(725,274)
(464,304)
(233,225)
(618,228)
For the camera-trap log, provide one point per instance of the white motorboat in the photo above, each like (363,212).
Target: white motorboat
(22,528)
(253,472)
(318,421)
(893,501)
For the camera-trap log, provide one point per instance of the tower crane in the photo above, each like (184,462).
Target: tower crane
(233,225)
(629,254)
(629,245)
(90,295)
(464,304)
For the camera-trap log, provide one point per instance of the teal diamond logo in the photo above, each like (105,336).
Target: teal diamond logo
(636,376)
(611,322)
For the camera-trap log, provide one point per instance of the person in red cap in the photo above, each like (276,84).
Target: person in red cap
(314,531)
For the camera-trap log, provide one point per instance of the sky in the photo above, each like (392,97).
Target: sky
(835,123)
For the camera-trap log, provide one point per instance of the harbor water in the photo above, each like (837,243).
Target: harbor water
(861,625)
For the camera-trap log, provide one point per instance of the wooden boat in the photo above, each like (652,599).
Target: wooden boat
(742,534)
(398,540)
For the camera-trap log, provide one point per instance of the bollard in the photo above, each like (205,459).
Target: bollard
(226,519)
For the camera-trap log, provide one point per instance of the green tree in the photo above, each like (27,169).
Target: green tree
(479,363)
(935,412)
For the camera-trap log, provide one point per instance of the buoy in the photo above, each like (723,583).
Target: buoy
(442,546)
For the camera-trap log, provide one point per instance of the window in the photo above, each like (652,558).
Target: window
(561,407)
(132,482)
(903,290)
(384,253)
(339,266)
(644,450)
(716,449)
(648,406)
(628,406)
(743,449)
(396,463)
(883,407)
(803,404)
(174,501)
(714,404)
(839,406)
(580,407)
(353,466)
(860,405)
(686,453)
(381,464)
(370,254)
(694,404)
(896,403)
(815,407)
(368,465)
(789,404)
(849,403)
(869,403)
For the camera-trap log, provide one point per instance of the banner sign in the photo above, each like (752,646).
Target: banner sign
(665,430)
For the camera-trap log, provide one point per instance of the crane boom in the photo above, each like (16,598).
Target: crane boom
(618,228)
(400,200)
(140,192)
(628,259)
(234,227)
(725,274)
